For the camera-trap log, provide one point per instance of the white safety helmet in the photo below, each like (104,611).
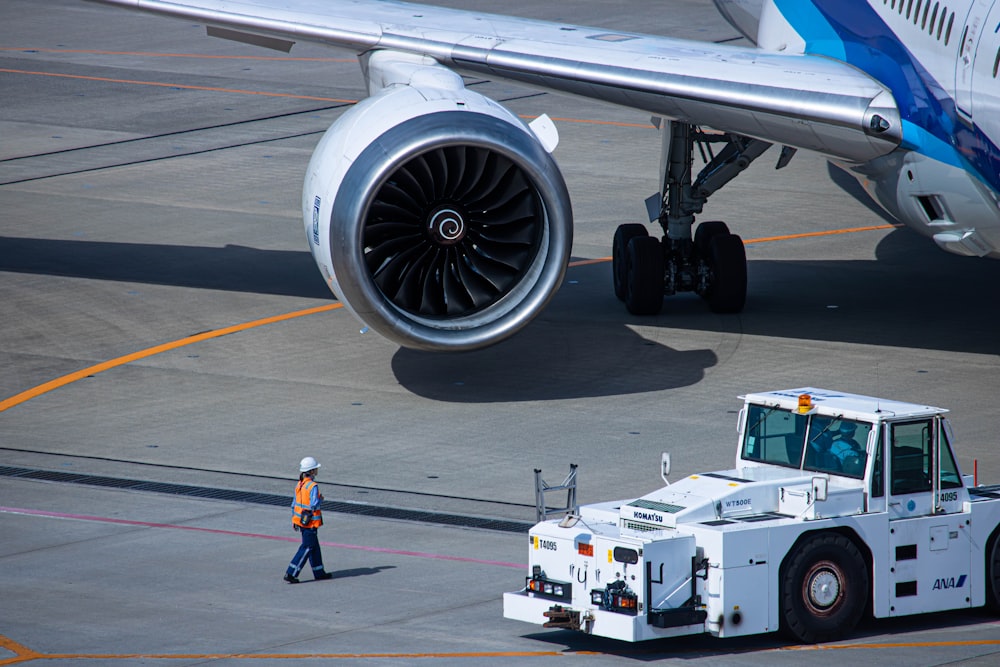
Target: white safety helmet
(307,464)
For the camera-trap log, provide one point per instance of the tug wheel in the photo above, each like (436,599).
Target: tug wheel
(824,588)
(993,573)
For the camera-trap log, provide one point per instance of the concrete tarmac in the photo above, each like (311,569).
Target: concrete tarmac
(170,352)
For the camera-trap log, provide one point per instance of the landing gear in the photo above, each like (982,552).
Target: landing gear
(645,270)
(712,262)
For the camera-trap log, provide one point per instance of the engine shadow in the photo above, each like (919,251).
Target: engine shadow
(580,346)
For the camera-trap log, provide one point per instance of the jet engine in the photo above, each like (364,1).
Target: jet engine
(436,216)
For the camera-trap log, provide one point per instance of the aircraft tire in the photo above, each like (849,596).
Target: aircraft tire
(644,276)
(619,260)
(824,588)
(705,232)
(727,292)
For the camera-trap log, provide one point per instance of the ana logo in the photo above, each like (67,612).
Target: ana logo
(948,582)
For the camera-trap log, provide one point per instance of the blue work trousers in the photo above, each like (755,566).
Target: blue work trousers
(309,549)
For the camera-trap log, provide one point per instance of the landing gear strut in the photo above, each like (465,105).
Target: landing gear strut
(712,262)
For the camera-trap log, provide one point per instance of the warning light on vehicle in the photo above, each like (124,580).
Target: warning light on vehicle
(805,403)
(616,597)
(550,589)
(585,549)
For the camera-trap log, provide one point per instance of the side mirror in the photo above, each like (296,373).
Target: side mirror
(665,467)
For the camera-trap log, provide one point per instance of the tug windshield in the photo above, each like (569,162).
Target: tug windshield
(812,442)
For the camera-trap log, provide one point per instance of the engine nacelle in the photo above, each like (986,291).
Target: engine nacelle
(436,216)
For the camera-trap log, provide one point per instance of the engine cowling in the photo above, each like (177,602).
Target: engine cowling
(437,217)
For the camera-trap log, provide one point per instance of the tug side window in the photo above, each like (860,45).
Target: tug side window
(912,460)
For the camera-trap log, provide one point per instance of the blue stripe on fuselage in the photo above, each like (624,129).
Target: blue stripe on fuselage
(851,31)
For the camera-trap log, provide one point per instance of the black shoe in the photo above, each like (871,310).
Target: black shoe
(323,575)
(290,579)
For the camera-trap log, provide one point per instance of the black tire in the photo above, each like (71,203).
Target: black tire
(993,573)
(727,259)
(644,276)
(704,233)
(619,262)
(824,588)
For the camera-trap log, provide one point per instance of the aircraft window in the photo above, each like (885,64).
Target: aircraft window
(996,64)
(773,436)
(837,446)
(927,9)
(947,33)
(901,3)
(944,13)
(909,8)
(934,17)
(916,14)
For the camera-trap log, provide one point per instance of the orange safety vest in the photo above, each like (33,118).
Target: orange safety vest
(302,504)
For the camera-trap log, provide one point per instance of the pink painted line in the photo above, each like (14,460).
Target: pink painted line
(259,536)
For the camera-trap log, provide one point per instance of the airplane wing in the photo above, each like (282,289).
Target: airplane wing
(808,102)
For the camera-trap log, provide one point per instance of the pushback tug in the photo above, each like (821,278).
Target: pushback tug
(837,502)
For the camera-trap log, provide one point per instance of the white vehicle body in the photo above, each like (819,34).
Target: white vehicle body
(802,534)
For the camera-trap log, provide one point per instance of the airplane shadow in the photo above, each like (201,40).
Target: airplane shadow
(585,344)
(232,268)
(914,295)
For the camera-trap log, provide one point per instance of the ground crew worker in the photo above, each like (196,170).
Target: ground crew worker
(307,518)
